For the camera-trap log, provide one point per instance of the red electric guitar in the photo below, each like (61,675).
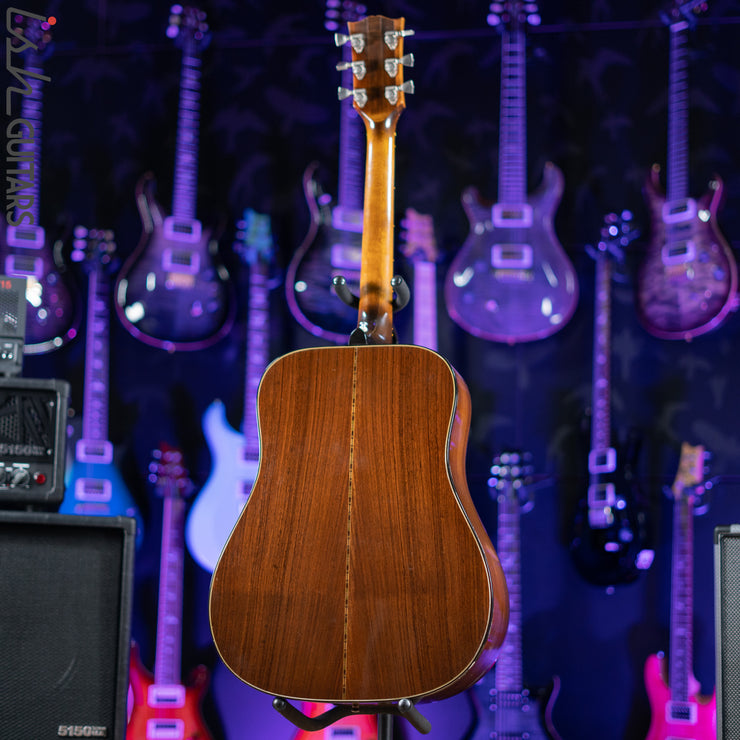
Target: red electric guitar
(511,281)
(162,706)
(677,708)
(173,292)
(359,727)
(687,282)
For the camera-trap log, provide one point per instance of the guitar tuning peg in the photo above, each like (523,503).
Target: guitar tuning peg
(391,65)
(391,91)
(391,37)
(359,69)
(359,96)
(357,40)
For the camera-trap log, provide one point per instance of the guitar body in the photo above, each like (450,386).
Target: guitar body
(359,727)
(218,504)
(521,295)
(388,585)
(326,251)
(515,715)
(98,489)
(173,294)
(184,722)
(52,306)
(702,709)
(687,282)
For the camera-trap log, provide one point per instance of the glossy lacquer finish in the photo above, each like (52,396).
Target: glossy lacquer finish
(383,583)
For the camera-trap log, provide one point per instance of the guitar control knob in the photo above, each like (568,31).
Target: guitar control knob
(20,477)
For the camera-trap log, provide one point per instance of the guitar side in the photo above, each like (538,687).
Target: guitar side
(219,503)
(185,716)
(174,294)
(513,284)
(687,281)
(701,722)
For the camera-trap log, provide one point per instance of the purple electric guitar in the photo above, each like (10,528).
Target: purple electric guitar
(687,282)
(235,455)
(26,249)
(504,707)
(332,245)
(173,292)
(511,281)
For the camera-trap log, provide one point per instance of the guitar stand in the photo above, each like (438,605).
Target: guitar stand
(401,289)
(405,708)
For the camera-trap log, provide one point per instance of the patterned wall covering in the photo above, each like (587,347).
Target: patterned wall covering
(597,106)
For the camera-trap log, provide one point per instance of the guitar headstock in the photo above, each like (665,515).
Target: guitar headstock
(27,28)
(617,232)
(419,242)
(94,247)
(188,27)
(513,14)
(341,12)
(691,470)
(511,474)
(684,11)
(168,473)
(379,91)
(254,238)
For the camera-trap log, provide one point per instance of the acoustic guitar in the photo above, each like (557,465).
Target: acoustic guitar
(174,292)
(687,281)
(359,572)
(677,709)
(27,249)
(512,281)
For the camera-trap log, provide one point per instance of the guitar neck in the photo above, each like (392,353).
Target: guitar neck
(677,186)
(97,351)
(682,598)
(425,304)
(257,353)
(167,667)
(512,171)
(186,154)
(30,151)
(600,394)
(508,672)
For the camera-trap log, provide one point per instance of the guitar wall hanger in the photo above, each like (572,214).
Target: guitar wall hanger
(399,285)
(405,708)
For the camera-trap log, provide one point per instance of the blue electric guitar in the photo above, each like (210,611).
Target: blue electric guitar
(94,486)
(235,455)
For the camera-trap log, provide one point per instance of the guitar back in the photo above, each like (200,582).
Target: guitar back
(359,570)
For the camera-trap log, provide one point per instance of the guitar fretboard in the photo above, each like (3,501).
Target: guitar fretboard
(186,155)
(95,409)
(31,110)
(512,170)
(677,186)
(425,304)
(600,394)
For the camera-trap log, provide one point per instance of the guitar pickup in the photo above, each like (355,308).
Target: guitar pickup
(165,729)
(347,219)
(601,498)
(32,237)
(512,215)
(182,229)
(181,261)
(94,451)
(21,265)
(676,253)
(166,695)
(93,490)
(350,733)
(680,711)
(345,257)
(602,461)
(511,256)
(674,211)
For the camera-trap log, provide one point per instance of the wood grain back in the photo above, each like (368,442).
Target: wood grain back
(359,570)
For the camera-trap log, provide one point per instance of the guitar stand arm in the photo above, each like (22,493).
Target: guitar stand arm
(405,708)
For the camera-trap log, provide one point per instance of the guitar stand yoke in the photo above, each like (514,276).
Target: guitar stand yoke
(405,708)
(399,285)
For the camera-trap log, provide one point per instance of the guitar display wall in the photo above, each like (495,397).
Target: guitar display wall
(597,102)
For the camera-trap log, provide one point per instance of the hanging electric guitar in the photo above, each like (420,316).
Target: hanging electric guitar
(26,249)
(610,538)
(333,243)
(511,281)
(420,246)
(687,281)
(505,708)
(356,727)
(173,292)
(94,486)
(677,709)
(235,455)
(359,572)
(162,706)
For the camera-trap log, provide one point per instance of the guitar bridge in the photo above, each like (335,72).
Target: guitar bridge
(165,729)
